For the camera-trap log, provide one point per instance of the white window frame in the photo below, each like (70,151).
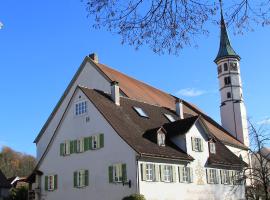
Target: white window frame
(161,138)
(167,173)
(212,147)
(226,177)
(149,172)
(186,175)
(197,144)
(67,147)
(95,141)
(80,145)
(51,185)
(169,117)
(80,108)
(117,173)
(140,112)
(212,176)
(81,178)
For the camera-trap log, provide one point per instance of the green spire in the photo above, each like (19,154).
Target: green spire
(225,48)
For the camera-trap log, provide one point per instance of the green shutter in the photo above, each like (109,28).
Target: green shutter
(207,175)
(173,174)
(46,183)
(157,173)
(110,174)
(75,146)
(201,145)
(62,146)
(101,140)
(86,144)
(217,176)
(55,182)
(86,177)
(124,172)
(181,174)
(75,184)
(90,142)
(143,171)
(162,172)
(71,145)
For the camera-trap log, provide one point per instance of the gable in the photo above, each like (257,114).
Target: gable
(87,75)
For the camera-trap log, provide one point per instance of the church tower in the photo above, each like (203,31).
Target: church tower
(232,108)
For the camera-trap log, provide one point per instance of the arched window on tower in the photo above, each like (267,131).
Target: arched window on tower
(229,95)
(219,69)
(227,80)
(225,67)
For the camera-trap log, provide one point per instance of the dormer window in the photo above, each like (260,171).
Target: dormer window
(212,147)
(169,117)
(140,111)
(80,108)
(161,139)
(197,144)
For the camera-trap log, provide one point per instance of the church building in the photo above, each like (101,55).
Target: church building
(110,136)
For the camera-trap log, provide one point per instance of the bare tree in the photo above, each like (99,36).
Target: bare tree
(259,171)
(169,25)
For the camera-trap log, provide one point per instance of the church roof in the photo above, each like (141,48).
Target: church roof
(225,48)
(140,132)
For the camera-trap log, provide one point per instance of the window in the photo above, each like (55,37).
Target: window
(140,111)
(167,173)
(80,145)
(65,148)
(225,176)
(169,117)
(185,174)
(80,108)
(219,69)
(197,144)
(149,172)
(227,80)
(161,139)
(212,176)
(81,178)
(225,67)
(117,173)
(212,147)
(229,95)
(233,66)
(237,178)
(51,182)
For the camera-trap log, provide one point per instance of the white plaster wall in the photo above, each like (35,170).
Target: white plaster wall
(96,161)
(89,77)
(190,191)
(227,117)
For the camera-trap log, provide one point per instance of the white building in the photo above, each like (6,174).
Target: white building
(110,136)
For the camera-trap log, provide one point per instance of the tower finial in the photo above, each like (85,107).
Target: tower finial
(225,48)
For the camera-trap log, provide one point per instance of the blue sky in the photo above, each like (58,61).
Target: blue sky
(43,43)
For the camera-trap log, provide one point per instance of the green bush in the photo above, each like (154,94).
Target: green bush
(135,197)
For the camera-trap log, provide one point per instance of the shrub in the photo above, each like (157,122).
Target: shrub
(135,197)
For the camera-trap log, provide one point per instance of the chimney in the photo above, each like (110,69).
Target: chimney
(179,108)
(115,94)
(94,57)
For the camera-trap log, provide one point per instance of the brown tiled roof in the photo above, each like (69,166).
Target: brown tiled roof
(131,127)
(140,91)
(140,132)
(3,181)
(224,156)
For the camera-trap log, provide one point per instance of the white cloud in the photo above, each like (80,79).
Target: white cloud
(265,121)
(190,92)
